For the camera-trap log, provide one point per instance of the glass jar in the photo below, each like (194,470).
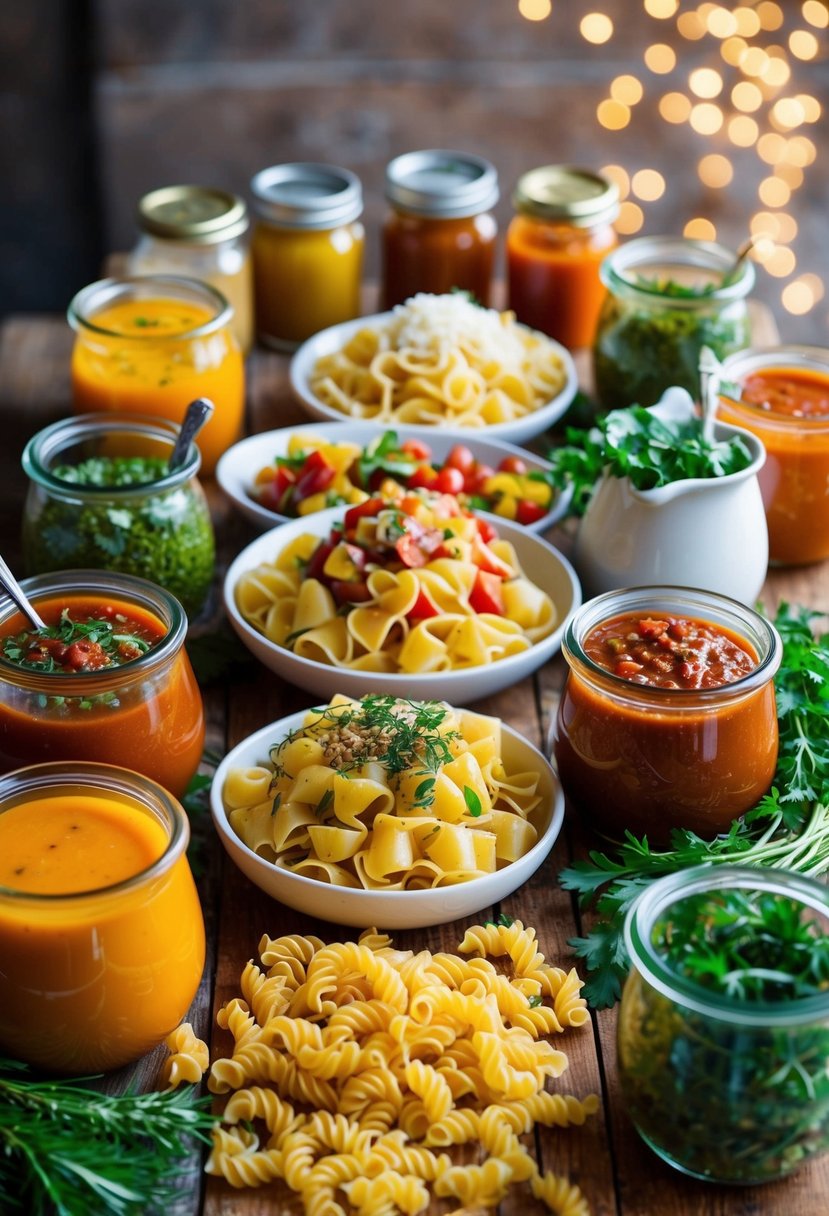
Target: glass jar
(100,497)
(307,251)
(555,245)
(782,395)
(151,344)
(94,976)
(146,714)
(650,759)
(440,232)
(665,301)
(722,1089)
(199,233)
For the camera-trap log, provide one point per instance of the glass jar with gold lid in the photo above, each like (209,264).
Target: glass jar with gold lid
(199,232)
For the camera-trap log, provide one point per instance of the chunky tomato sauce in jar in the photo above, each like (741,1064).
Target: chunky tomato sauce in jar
(668,717)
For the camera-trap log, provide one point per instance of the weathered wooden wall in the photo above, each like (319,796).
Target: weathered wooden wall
(104,99)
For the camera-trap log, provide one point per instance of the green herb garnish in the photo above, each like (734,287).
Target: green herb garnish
(386,455)
(105,636)
(108,471)
(473,802)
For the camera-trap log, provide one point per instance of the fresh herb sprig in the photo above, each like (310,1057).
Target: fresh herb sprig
(117,644)
(386,455)
(110,471)
(70,1151)
(788,829)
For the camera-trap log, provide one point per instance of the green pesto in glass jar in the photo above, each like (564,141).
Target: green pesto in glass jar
(667,298)
(101,497)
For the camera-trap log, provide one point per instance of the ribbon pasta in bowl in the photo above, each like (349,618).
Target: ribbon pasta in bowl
(437,361)
(417,594)
(387,811)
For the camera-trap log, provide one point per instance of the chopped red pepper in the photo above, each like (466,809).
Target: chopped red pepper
(422,608)
(486,594)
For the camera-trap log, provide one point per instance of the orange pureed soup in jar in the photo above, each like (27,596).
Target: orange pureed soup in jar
(118,690)
(151,344)
(783,397)
(668,717)
(101,933)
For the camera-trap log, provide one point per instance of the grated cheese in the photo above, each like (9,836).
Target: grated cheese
(430,323)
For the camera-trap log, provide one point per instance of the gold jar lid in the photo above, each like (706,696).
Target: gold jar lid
(567,194)
(197,214)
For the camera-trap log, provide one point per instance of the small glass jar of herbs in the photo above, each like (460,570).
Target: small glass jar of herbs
(724,1026)
(101,496)
(667,298)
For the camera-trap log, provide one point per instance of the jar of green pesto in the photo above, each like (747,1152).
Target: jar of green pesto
(101,497)
(667,297)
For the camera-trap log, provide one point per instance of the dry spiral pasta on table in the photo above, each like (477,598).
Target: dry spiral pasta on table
(408,586)
(353,1079)
(388,794)
(441,360)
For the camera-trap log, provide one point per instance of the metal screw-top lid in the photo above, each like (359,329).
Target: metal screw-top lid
(563,192)
(192,213)
(306,195)
(442,184)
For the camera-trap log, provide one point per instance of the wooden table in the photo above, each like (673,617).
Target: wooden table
(619,1176)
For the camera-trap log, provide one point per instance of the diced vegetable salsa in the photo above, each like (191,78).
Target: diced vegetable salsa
(83,638)
(669,652)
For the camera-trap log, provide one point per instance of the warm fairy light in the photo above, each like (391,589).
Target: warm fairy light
(620,176)
(816,13)
(648,185)
(706,118)
(774,192)
(691,26)
(734,50)
(755,61)
(661,9)
(705,82)
(765,224)
(626,89)
(786,113)
(612,114)
(660,58)
(722,23)
(797,298)
(781,263)
(792,175)
(772,147)
(800,151)
(803,44)
(776,72)
(675,107)
(596,28)
(743,131)
(748,23)
(630,219)
(770,15)
(746,96)
(812,109)
(786,227)
(763,249)
(815,284)
(700,229)
(535,10)
(715,170)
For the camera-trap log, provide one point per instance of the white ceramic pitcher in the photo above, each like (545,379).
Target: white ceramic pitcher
(708,533)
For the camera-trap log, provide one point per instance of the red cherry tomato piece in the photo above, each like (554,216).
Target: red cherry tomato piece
(461,458)
(417,449)
(482,473)
(423,478)
(528,513)
(486,531)
(486,595)
(513,464)
(422,608)
(372,506)
(449,481)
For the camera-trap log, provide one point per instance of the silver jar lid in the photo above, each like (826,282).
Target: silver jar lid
(442,184)
(307,195)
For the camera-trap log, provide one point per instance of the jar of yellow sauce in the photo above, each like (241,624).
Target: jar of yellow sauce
(151,344)
(101,932)
(199,232)
(307,251)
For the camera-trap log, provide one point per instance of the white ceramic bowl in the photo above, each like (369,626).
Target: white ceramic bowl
(238,467)
(387,909)
(519,430)
(540,561)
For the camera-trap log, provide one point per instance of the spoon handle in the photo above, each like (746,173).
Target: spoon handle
(197,414)
(18,596)
(710,370)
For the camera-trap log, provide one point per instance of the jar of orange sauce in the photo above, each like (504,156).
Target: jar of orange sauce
(307,251)
(555,245)
(151,344)
(101,932)
(440,232)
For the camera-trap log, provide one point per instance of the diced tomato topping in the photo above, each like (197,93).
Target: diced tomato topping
(486,530)
(423,478)
(482,473)
(449,481)
(315,476)
(513,464)
(422,608)
(650,628)
(348,592)
(409,551)
(372,506)
(485,559)
(460,457)
(486,594)
(417,449)
(318,559)
(528,513)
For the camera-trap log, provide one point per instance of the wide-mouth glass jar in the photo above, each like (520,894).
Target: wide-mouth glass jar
(649,758)
(723,1088)
(781,393)
(101,933)
(151,344)
(101,496)
(145,714)
(667,297)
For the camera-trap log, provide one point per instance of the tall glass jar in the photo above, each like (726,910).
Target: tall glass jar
(94,973)
(667,297)
(440,231)
(145,714)
(307,251)
(722,1089)
(151,344)
(648,758)
(781,393)
(555,245)
(199,232)
(101,496)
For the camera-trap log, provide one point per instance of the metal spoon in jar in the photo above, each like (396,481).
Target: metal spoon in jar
(18,596)
(733,272)
(195,416)
(710,374)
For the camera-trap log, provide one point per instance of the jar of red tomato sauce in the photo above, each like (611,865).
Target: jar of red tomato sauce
(781,393)
(668,716)
(108,680)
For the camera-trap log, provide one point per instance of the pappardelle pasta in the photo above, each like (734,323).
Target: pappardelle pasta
(405,586)
(388,794)
(441,359)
